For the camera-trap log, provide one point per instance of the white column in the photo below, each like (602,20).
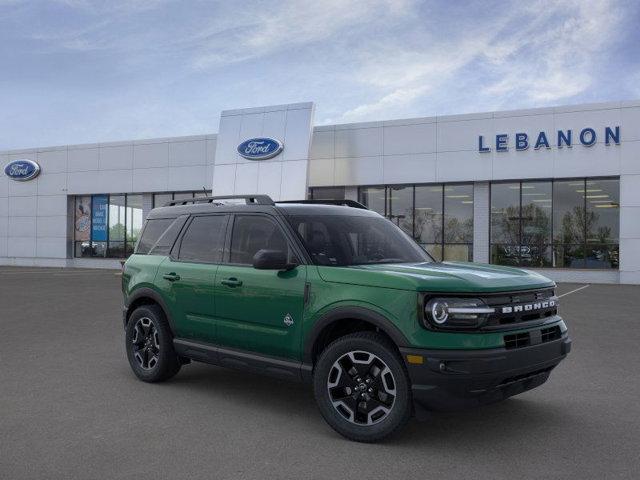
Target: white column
(481,216)
(283,177)
(629,229)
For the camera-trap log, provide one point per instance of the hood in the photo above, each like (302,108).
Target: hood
(451,277)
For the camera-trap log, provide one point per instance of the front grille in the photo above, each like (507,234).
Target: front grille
(524,339)
(551,333)
(514,308)
(517,340)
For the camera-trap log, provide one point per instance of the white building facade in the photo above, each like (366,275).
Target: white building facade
(556,190)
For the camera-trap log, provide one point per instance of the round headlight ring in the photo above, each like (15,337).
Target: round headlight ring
(439,312)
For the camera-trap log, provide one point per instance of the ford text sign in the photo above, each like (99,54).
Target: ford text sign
(260,148)
(22,170)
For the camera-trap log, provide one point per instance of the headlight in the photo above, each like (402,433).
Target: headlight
(456,312)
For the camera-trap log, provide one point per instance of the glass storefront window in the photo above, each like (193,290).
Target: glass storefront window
(82,226)
(505,223)
(458,223)
(536,200)
(428,218)
(439,217)
(564,223)
(161,199)
(134,221)
(400,207)
(603,223)
(107,225)
(327,193)
(117,219)
(373,198)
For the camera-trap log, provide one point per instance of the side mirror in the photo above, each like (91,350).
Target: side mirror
(271,260)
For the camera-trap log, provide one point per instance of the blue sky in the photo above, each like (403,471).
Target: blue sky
(76,71)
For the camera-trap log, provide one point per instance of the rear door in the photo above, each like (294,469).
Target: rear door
(259,310)
(187,277)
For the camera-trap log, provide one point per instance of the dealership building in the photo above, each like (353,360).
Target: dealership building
(553,189)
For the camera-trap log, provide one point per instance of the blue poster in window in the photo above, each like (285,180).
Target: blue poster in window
(99,206)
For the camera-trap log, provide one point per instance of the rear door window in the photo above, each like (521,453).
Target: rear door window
(203,240)
(252,233)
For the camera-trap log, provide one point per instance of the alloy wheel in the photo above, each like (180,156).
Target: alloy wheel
(361,387)
(146,343)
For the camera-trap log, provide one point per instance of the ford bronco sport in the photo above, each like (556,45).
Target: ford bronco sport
(335,295)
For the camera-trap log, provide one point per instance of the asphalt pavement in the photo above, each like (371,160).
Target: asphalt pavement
(70,408)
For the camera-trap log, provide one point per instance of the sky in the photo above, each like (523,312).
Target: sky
(80,71)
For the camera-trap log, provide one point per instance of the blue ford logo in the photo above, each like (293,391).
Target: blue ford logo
(260,148)
(22,170)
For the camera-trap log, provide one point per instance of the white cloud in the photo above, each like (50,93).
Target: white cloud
(543,52)
(554,63)
(287,25)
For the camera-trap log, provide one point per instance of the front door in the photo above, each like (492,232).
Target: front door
(259,310)
(187,278)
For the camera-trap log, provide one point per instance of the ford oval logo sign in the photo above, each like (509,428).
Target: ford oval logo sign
(22,170)
(260,148)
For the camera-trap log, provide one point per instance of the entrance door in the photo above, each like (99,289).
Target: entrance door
(259,310)
(187,277)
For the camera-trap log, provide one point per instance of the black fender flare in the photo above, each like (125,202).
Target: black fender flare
(145,292)
(351,313)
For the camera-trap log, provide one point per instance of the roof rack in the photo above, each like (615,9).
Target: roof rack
(344,203)
(249,200)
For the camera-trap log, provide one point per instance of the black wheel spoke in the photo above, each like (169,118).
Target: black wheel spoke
(339,393)
(361,387)
(145,347)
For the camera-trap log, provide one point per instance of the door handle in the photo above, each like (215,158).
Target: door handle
(232,282)
(172,277)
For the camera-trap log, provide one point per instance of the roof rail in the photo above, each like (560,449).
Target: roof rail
(344,203)
(249,200)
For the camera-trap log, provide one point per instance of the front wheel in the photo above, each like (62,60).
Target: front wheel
(362,387)
(149,345)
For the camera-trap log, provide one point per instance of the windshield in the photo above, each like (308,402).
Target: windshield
(340,240)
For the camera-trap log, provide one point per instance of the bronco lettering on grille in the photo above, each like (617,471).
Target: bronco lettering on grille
(529,307)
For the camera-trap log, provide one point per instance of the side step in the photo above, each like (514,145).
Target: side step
(240,360)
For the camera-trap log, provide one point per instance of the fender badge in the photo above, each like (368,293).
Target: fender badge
(288,320)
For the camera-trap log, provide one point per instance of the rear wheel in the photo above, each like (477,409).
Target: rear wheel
(149,345)
(362,388)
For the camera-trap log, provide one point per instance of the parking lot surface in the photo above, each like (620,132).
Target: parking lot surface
(71,408)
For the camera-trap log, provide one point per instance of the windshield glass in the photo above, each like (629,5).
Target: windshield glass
(340,240)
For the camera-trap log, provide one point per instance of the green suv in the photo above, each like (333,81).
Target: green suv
(335,295)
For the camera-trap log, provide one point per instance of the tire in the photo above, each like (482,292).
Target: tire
(149,345)
(366,414)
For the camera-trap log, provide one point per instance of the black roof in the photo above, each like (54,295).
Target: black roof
(259,203)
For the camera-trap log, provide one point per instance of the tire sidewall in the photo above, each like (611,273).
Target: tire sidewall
(166,356)
(401,410)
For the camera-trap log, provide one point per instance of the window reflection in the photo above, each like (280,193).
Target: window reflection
(117,218)
(565,224)
(134,221)
(107,225)
(401,207)
(440,217)
(458,222)
(373,198)
(327,193)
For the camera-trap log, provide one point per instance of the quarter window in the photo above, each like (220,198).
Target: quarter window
(152,231)
(204,239)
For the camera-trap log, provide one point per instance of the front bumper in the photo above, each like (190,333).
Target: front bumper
(455,379)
